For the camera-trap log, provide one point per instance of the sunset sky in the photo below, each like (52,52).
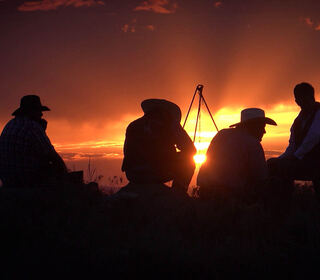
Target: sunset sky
(93,62)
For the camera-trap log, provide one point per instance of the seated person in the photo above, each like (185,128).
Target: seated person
(235,164)
(27,157)
(301,159)
(151,143)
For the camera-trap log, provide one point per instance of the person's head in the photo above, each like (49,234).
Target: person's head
(304,95)
(162,109)
(253,120)
(255,128)
(30,106)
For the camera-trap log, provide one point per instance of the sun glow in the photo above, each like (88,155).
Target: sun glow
(275,139)
(282,114)
(199,158)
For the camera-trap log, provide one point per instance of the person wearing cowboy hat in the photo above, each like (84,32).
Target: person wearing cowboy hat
(150,148)
(27,157)
(235,161)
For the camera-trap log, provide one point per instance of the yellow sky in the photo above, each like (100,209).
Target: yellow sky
(109,145)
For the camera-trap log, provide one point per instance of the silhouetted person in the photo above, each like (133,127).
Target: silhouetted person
(301,159)
(27,157)
(235,164)
(150,154)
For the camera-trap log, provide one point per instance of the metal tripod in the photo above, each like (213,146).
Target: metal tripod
(198,91)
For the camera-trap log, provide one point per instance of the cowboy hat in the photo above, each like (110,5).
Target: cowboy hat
(154,105)
(30,103)
(250,115)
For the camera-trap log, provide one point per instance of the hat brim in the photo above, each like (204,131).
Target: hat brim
(152,105)
(21,110)
(254,120)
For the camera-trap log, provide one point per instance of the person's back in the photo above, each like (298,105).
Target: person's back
(27,156)
(150,154)
(235,162)
(148,147)
(23,144)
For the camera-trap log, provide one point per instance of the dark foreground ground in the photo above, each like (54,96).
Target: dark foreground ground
(78,232)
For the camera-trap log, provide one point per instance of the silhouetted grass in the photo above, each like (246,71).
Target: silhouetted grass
(78,231)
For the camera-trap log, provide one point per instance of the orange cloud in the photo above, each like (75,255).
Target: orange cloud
(129,27)
(308,21)
(150,27)
(46,5)
(125,28)
(217,4)
(157,6)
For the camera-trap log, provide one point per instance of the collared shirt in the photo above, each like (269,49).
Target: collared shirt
(309,142)
(24,147)
(235,159)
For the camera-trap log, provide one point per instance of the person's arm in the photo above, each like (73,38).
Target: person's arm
(257,166)
(57,162)
(43,146)
(183,140)
(131,149)
(312,138)
(289,152)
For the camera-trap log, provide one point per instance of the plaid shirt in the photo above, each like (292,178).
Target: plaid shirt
(24,147)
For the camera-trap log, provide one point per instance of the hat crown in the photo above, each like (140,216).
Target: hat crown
(251,113)
(155,105)
(30,101)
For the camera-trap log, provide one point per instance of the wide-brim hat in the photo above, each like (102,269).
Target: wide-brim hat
(30,103)
(162,105)
(250,115)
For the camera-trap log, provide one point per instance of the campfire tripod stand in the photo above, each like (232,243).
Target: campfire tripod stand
(198,90)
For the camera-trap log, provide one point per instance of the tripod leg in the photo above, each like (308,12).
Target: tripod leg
(194,95)
(198,114)
(205,103)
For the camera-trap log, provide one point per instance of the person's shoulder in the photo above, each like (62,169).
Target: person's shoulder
(230,133)
(225,132)
(16,122)
(11,122)
(136,124)
(246,138)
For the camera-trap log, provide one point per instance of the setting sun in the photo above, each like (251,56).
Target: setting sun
(274,139)
(199,158)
